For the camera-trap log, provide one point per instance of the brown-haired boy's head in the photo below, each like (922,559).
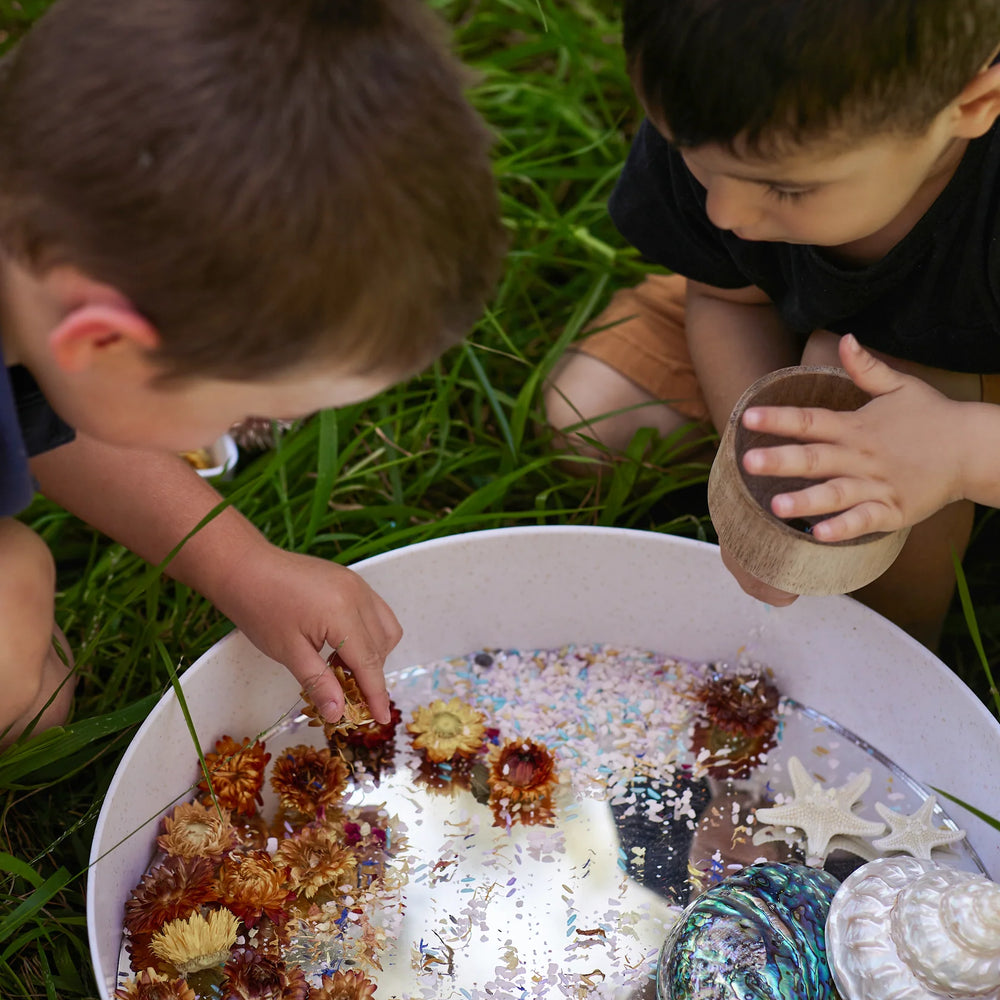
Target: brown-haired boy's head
(268,183)
(779,73)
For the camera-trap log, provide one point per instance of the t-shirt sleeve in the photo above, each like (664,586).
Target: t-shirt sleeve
(659,208)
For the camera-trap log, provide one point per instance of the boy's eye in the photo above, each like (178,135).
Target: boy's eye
(787,194)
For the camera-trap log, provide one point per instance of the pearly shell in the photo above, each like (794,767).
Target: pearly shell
(757,935)
(903,928)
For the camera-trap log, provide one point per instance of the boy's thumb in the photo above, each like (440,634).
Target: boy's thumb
(867,372)
(318,683)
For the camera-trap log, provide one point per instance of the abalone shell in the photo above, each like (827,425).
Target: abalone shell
(757,935)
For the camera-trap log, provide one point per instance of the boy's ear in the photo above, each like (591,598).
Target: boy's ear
(978,106)
(93,333)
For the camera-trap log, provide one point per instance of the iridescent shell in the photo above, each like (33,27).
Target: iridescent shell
(757,935)
(914,930)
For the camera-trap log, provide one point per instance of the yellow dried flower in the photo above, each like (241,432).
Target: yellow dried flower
(197,942)
(314,859)
(445,730)
(151,985)
(194,830)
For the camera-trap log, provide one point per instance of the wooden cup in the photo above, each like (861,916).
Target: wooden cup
(782,554)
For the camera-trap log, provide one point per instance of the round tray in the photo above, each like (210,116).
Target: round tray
(544,587)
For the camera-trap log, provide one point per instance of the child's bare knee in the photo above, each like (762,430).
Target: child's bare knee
(27,589)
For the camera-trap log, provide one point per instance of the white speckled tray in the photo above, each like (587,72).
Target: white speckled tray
(539,587)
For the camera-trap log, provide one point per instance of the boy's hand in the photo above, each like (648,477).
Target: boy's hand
(890,464)
(289,605)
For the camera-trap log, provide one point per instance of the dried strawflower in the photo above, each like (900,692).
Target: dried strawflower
(308,779)
(198,942)
(356,714)
(736,723)
(252,886)
(444,730)
(251,975)
(352,985)
(237,771)
(372,737)
(152,985)
(522,771)
(176,888)
(315,859)
(196,830)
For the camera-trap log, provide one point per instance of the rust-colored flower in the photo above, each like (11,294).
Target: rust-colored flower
(197,942)
(522,771)
(151,985)
(371,737)
(736,722)
(350,985)
(308,779)
(176,888)
(251,975)
(237,771)
(356,713)
(251,886)
(141,955)
(315,858)
(195,830)
(445,730)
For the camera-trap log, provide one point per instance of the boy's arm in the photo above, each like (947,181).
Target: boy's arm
(736,336)
(905,455)
(287,604)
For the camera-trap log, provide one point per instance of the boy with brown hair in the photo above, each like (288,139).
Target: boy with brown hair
(208,211)
(823,175)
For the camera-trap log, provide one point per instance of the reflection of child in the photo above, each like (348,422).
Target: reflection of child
(208,211)
(816,170)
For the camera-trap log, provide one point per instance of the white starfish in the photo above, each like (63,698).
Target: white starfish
(822,813)
(914,834)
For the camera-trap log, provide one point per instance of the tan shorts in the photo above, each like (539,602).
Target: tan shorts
(641,335)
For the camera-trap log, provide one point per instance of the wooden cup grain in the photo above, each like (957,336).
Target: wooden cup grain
(778,553)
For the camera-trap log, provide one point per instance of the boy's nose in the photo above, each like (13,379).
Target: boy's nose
(729,204)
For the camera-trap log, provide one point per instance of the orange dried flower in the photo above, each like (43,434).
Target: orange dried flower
(251,886)
(521,771)
(237,771)
(314,859)
(176,888)
(351,985)
(251,975)
(445,730)
(195,830)
(308,779)
(151,985)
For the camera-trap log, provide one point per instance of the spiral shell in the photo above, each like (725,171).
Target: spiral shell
(908,929)
(758,935)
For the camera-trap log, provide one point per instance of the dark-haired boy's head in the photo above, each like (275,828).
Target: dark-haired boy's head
(782,73)
(267,182)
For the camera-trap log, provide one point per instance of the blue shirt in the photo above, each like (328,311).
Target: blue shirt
(28,426)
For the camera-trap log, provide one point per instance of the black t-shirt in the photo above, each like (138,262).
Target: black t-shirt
(934,298)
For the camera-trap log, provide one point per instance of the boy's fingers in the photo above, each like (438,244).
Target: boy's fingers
(319,683)
(866,371)
(366,657)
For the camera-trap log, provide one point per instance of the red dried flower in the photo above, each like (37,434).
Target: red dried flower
(251,886)
(308,779)
(176,888)
(521,771)
(736,723)
(250,975)
(237,771)
(352,985)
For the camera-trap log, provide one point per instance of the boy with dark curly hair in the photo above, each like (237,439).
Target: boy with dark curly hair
(818,176)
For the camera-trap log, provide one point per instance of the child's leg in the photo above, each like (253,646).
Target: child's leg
(637,357)
(30,668)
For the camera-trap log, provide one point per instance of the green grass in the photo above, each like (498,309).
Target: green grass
(454,450)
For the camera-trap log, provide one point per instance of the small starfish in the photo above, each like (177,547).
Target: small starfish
(914,834)
(822,813)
